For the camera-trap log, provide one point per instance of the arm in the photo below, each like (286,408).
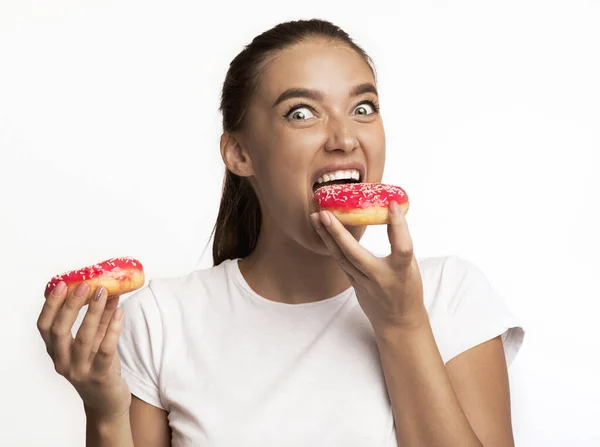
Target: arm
(465,402)
(116,432)
(144,425)
(149,424)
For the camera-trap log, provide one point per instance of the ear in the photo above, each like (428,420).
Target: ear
(234,156)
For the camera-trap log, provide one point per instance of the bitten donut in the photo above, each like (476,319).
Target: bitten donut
(117,275)
(360,203)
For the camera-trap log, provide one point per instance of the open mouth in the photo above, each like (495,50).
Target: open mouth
(338,177)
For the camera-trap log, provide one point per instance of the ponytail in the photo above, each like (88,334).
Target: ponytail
(238,222)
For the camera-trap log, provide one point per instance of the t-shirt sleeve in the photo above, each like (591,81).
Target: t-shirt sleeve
(467,311)
(140,346)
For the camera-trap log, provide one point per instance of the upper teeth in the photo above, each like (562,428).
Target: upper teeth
(350,174)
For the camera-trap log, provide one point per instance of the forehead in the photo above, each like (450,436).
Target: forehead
(333,68)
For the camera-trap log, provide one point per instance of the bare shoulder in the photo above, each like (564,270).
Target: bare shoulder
(149,424)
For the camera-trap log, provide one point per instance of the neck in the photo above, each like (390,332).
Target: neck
(282,270)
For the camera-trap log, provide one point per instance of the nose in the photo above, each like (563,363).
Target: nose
(340,136)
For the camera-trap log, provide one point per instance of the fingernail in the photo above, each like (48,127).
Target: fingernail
(325,218)
(60,287)
(81,290)
(394,208)
(99,293)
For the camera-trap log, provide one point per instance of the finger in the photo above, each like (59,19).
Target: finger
(400,240)
(320,223)
(103,359)
(86,335)
(109,309)
(50,309)
(360,257)
(62,339)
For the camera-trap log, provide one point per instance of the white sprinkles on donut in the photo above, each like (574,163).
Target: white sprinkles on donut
(118,268)
(359,195)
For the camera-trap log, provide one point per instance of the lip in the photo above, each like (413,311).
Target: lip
(342,166)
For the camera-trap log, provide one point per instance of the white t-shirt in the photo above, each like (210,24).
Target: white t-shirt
(234,369)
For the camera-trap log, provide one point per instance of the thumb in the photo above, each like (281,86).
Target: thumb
(400,240)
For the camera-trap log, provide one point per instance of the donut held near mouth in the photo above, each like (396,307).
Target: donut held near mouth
(360,203)
(117,275)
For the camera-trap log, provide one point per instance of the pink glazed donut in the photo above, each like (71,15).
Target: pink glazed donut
(360,203)
(117,275)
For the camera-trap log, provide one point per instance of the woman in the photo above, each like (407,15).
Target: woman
(297,336)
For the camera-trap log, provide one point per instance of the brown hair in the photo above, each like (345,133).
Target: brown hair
(238,222)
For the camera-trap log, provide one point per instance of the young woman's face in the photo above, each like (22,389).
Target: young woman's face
(315,114)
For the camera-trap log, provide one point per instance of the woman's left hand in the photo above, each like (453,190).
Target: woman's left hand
(390,289)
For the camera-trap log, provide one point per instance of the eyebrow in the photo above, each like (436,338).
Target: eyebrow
(317,95)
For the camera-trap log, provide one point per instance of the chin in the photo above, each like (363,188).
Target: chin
(313,243)
(317,245)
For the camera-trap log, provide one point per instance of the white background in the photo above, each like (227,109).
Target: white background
(109,146)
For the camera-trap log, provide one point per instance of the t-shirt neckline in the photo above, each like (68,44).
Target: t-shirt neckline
(234,269)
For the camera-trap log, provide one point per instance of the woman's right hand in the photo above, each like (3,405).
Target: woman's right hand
(89,361)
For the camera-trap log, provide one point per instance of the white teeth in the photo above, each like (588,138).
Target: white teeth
(350,174)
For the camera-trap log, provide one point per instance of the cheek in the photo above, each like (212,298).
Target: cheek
(297,144)
(373,144)
(281,179)
(286,156)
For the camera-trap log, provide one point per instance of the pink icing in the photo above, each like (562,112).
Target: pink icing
(114,265)
(349,196)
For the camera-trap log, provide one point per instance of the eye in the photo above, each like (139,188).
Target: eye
(299,113)
(366,108)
